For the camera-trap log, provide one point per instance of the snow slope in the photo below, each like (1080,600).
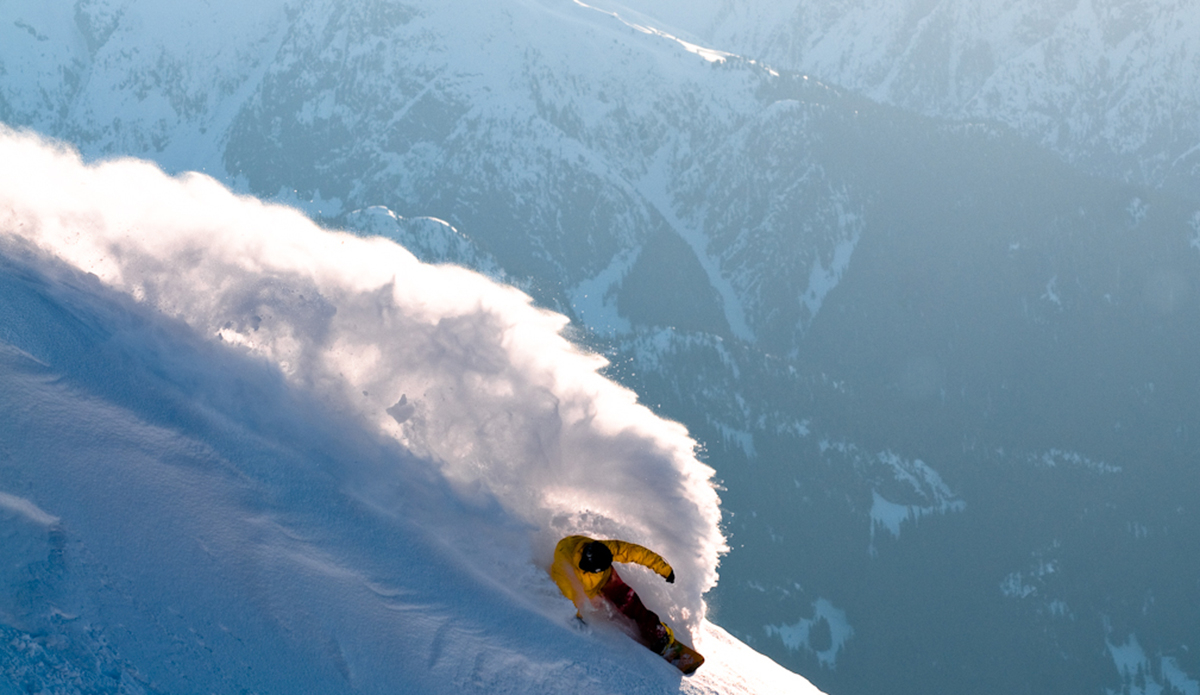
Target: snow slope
(241,452)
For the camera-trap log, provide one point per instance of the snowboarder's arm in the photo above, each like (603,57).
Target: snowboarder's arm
(632,552)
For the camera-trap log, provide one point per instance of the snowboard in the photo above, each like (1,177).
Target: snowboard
(683,657)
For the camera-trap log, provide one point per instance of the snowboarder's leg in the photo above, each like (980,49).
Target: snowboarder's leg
(653,633)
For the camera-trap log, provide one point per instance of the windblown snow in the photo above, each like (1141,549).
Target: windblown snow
(242,452)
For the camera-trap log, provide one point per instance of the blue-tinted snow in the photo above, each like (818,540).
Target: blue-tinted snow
(202,489)
(799,634)
(1139,674)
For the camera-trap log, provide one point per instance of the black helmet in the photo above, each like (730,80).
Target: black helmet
(596,557)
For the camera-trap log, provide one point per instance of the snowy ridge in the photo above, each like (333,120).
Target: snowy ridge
(338,106)
(709,54)
(354,462)
(428,238)
(1110,85)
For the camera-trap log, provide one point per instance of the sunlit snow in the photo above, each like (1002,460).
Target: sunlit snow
(210,488)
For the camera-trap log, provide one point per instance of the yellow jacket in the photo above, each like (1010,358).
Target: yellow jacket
(578,585)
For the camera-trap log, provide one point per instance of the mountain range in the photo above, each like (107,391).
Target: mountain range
(1108,85)
(922,279)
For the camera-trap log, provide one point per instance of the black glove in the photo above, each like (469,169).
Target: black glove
(671,577)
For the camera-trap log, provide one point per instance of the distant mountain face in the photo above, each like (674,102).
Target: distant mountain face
(1111,85)
(589,157)
(946,379)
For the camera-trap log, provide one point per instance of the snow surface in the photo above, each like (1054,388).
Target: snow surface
(1138,672)
(1111,85)
(799,635)
(560,100)
(240,452)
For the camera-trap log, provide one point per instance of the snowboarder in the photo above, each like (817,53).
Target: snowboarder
(583,571)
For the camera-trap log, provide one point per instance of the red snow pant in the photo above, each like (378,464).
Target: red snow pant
(651,631)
